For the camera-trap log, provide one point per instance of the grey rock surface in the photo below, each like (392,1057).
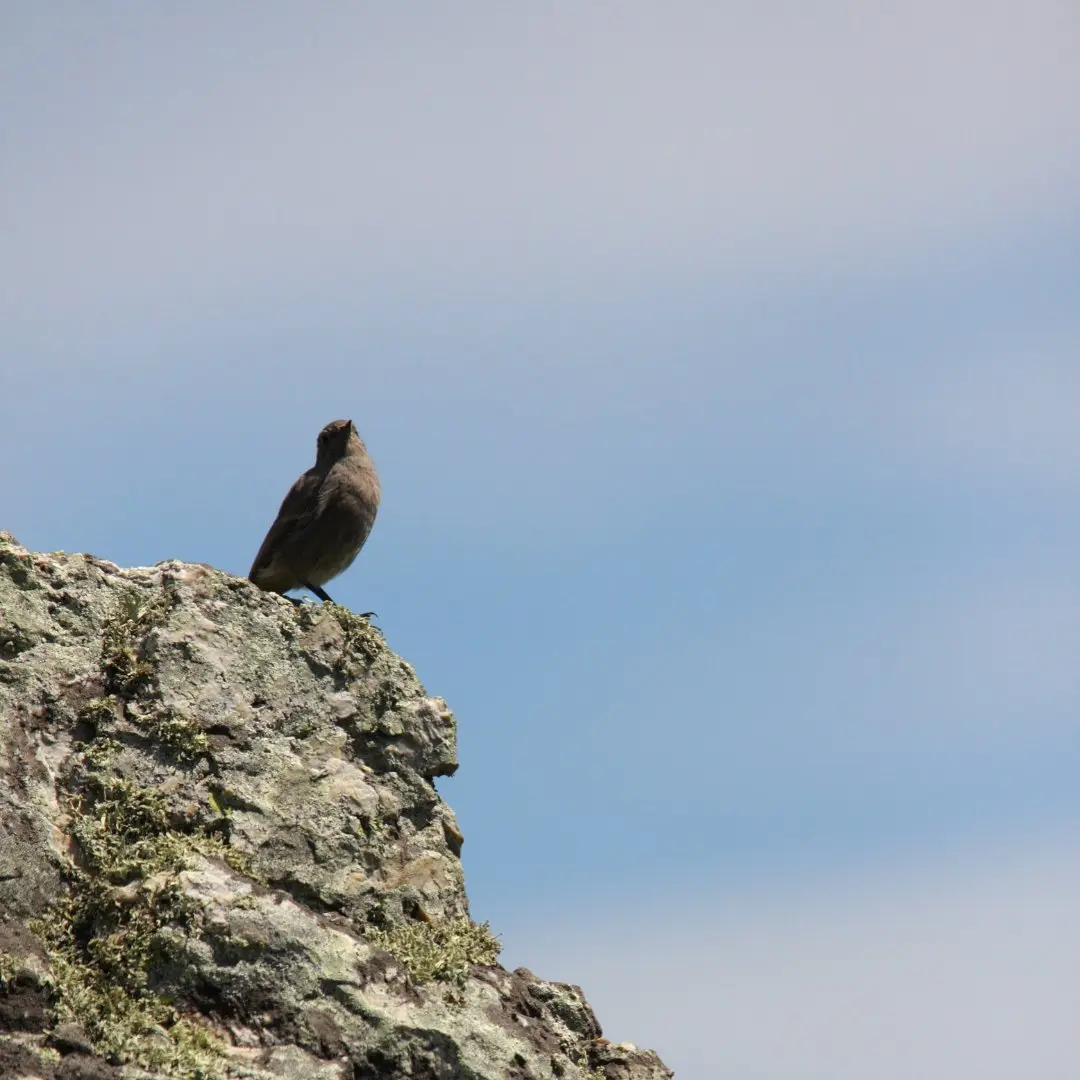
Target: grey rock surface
(222,853)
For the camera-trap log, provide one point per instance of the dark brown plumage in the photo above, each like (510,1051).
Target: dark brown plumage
(325,518)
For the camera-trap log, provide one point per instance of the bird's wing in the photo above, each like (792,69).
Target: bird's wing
(298,510)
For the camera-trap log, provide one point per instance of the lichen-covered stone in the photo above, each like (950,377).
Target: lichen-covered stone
(222,853)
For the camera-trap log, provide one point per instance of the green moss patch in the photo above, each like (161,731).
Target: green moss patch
(10,968)
(126,669)
(179,733)
(121,917)
(129,676)
(360,638)
(442,951)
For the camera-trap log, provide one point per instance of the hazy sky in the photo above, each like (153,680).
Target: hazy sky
(722,365)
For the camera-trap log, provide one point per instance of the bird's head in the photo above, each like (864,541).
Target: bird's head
(334,440)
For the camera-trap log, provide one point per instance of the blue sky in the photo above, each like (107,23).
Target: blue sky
(720,362)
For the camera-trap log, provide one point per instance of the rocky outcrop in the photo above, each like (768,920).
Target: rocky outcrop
(222,853)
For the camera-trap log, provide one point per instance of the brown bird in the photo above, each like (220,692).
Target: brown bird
(325,518)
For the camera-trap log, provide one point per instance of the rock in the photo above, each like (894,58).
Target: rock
(69,1039)
(222,853)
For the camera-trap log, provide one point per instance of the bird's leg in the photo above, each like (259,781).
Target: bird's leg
(318,591)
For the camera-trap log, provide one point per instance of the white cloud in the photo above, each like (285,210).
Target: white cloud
(168,157)
(961,967)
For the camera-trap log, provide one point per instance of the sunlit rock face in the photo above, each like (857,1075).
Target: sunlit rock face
(222,853)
